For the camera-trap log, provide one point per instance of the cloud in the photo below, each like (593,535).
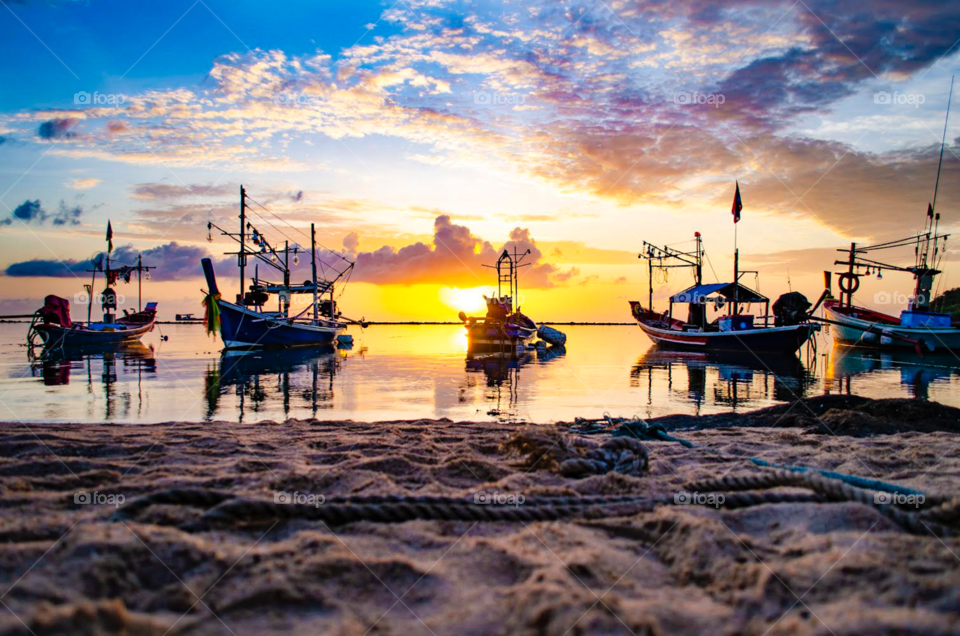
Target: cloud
(59,128)
(170,191)
(173,260)
(84,183)
(351,242)
(32,212)
(455,257)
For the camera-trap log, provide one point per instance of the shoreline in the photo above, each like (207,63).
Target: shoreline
(272,568)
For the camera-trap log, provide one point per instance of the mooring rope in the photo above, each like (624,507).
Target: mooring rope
(643,430)
(833,490)
(223,507)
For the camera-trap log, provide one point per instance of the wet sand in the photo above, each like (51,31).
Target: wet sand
(786,568)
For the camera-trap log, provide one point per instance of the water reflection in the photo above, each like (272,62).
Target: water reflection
(847,369)
(103,366)
(412,372)
(704,379)
(291,378)
(501,371)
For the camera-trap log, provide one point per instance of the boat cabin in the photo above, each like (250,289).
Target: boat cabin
(721,295)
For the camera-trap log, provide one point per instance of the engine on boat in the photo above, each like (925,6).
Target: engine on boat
(790,309)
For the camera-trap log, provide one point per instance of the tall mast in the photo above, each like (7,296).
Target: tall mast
(243,230)
(139,285)
(313,263)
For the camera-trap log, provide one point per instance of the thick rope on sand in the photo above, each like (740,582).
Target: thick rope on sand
(834,490)
(340,511)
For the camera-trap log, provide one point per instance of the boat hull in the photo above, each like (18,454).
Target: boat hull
(57,336)
(242,328)
(852,330)
(485,337)
(775,340)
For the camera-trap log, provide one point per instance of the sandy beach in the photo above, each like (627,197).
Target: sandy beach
(798,567)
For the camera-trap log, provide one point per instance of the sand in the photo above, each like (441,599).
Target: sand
(789,568)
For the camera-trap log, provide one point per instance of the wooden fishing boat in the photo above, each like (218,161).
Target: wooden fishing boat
(247,323)
(919,326)
(736,330)
(503,328)
(52,325)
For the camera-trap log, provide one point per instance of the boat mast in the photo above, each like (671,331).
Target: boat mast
(313,263)
(243,252)
(693,259)
(139,282)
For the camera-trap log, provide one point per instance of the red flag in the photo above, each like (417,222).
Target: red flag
(737,205)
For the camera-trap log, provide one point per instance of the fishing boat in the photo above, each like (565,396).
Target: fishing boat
(248,323)
(505,328)
(735,330)
(918,326)
(52,325)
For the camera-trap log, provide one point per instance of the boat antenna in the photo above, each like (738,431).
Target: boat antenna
(943,142)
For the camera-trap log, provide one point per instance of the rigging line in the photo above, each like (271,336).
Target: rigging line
(707,256)
(943,142)
(287,223)
(293,227)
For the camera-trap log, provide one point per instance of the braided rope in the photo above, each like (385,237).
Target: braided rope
(641,429)
(251,510)
(831,489)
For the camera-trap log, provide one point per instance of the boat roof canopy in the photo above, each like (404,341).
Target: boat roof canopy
(729,291)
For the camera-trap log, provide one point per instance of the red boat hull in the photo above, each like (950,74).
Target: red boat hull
(670,334)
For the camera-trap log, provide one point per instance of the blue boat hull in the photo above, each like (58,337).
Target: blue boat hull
(242,328)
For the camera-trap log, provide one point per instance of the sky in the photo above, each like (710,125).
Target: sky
(424,136)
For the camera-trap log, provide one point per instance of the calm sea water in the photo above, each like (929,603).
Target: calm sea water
(406,372)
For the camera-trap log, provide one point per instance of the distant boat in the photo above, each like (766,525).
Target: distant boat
(247,323)
(504,328)
(918,326)
(54,327)
(732,331)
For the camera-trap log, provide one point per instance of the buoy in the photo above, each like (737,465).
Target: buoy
(552,336)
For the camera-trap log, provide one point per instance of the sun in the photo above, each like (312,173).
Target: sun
(469,301)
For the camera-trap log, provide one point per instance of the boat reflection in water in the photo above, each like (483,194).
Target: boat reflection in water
(292,378)
(115,367)
(502,372)
(845,366)
(716,379)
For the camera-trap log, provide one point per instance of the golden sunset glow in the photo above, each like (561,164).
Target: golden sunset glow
(470,301)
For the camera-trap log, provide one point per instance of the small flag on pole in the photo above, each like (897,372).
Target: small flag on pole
(737,205)
(109,237)
(930,210)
